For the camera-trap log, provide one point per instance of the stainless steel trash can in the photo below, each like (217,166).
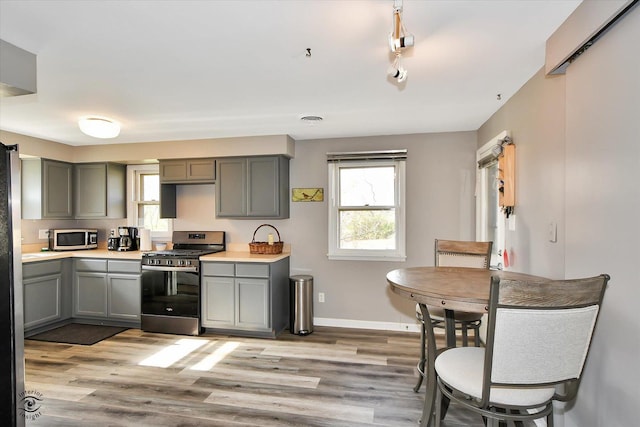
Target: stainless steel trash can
(301,304)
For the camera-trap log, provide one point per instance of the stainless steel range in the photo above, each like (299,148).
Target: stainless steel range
(171,282)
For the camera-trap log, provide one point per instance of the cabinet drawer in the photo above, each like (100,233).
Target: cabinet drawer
(34,269)
(252,270)
(116,266)
(88,264)
(218,269)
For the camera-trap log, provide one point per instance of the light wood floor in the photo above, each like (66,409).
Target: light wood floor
(333,377)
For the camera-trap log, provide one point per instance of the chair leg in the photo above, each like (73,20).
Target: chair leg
(476,335)
(550,419)
(423,358)
(465,336)
(438,406)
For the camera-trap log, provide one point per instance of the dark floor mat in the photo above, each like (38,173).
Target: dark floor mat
(76,333)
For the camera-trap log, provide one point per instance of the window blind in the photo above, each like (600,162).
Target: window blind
(367,155)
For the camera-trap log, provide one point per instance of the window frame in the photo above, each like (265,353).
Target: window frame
(133,184)
(337,253)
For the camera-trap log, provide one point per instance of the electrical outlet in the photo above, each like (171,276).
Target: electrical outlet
(43,234)
(320,296)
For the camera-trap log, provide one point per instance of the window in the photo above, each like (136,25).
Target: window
(144,205)
(490,222)
(366,206)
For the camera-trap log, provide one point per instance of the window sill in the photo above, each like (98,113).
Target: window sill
(366,258)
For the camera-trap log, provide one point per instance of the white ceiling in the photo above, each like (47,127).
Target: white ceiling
(177,70)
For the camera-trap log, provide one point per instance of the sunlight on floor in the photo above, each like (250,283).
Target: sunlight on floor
(211,360)
(173,353)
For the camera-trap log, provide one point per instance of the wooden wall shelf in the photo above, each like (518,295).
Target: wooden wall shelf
(507,176)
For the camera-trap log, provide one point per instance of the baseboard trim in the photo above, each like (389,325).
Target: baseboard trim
(365,324)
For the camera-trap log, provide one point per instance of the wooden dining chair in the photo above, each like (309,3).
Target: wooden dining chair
(538,336)
(454,253)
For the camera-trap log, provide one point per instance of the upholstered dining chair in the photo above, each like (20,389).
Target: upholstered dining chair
(538,336)
(454,253)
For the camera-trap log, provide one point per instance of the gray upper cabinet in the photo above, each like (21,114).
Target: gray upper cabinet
(100,190)
(47,189)
(182,171)
(188,171)
(252,187)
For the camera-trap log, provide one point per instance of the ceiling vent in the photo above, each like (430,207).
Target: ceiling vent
(17,70)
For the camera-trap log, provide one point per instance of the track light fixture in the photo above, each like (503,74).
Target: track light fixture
(397,71)
(399,39)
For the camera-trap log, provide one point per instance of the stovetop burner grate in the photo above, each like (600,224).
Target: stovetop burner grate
(177,253)
(191,244)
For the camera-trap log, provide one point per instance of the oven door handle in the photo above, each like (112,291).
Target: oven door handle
(193,269)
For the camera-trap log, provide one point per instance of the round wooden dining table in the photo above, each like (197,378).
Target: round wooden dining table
(451,288)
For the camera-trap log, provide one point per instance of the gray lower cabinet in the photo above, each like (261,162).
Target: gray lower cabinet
(248,298)
(107,289)
(45,293)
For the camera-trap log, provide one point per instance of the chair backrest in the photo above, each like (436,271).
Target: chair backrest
(539,333)
(458,253)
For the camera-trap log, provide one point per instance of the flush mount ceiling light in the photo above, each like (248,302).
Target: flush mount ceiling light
(99,127)
(399,39)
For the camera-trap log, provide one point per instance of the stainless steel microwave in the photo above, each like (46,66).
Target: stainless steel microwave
(73,239)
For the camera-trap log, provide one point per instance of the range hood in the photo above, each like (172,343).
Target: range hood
(17,70)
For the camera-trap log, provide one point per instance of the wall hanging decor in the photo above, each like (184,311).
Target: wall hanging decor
(307,194)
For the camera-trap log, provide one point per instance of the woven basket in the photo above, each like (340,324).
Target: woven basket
(265,247)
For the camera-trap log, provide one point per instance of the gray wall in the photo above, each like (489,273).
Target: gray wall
(578,156)
(603,216)
(440,204)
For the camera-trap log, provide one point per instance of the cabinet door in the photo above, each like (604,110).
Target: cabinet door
(201,170)
(124,296)
(231,187)
(90,295)
(218,301)
(173,170)
(57,197)
(252,310)
(91,190)
(263,195)
(42,302)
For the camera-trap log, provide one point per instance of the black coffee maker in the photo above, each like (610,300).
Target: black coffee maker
(113,241)
(127,239)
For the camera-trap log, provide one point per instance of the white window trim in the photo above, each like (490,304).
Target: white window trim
(398,254)
(482,201)
(133,173)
